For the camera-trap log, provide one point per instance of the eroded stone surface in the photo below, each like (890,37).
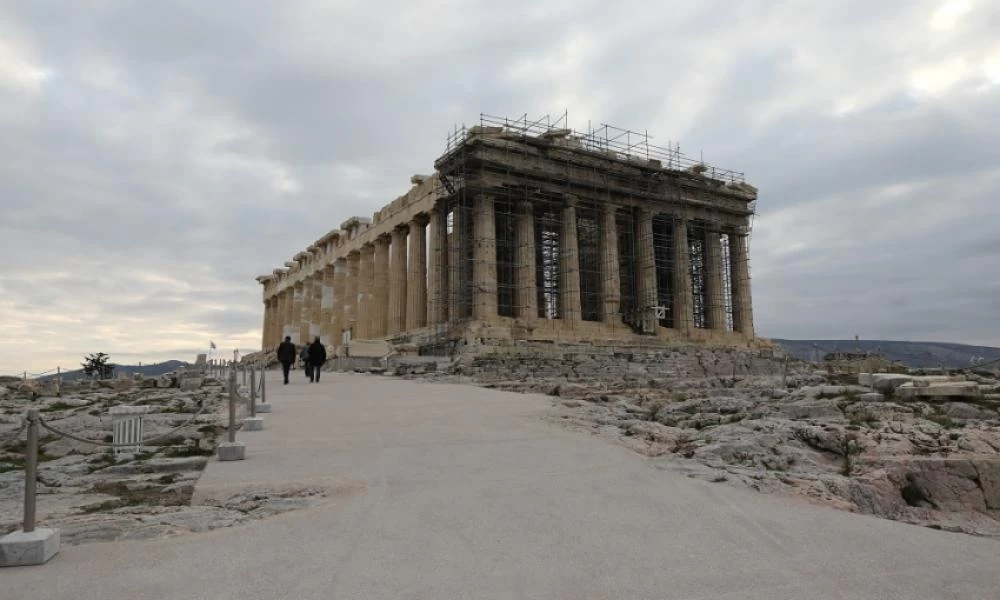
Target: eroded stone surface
(93,495)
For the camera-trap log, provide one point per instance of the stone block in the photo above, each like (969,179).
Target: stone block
(872,397)
(939,390)
(885,382)
(866,379)
(232,451)
(263,408)
(20,549)
(190,384)
(253,424)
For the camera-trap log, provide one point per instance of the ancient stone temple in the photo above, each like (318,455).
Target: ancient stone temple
(532,231)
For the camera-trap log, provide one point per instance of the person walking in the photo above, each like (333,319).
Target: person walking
(306,365)
(317,356)
(286,356)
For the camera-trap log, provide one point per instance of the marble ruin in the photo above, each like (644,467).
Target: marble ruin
(531,231)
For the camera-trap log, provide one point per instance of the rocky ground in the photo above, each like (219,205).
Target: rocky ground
(91,494)
(807,433)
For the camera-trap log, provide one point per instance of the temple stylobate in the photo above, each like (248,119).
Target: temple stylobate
(531,231)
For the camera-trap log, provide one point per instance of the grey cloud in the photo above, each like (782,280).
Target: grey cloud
(206,143)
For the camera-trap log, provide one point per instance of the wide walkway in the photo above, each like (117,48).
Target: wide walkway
(453,492)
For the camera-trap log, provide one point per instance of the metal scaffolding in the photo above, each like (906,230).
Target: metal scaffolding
(532,219)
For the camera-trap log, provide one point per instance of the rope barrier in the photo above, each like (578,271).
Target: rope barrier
(42,422)
(24,425)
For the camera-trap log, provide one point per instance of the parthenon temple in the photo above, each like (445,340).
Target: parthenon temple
(530,231)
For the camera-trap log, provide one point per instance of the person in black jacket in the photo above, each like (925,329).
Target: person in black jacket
(317,356)
(286,356)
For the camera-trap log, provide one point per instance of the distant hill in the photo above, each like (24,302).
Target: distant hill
(912,354)
(152,370)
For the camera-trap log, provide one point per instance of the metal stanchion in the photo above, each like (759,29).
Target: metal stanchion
(253,392)
(29,546)
(253,422)
(264,407)
(232,407)
(30,471)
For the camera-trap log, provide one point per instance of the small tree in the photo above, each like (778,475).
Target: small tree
(97,364)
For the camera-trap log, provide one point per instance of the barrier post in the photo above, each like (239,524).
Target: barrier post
(263,407)
(29,546)
(253,422)
(31,471)
(253,392)
(232,450)
(232,406)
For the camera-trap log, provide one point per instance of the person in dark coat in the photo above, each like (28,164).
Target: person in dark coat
(317,356)
(306,365)
(286,356)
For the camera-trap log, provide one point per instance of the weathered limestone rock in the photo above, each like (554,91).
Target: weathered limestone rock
(945,389)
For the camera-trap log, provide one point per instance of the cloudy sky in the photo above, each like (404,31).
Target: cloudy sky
(156,156)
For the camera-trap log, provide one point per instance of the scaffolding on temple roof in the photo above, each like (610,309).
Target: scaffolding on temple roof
(507,159)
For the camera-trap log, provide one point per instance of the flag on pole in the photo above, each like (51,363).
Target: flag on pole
(211,345)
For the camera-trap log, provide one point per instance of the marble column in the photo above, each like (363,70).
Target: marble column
(272,334)
(645,271)
(288,329)
(484,277)
(437,275)
(396,321)
(351,294)
(456,267)
(416,275)
(316,305)
(610,269)
(274,326)
(365,298)
(380,316)
(714,290)
(338,317)
(739,261)
(326,335)
(569,265)
(305,305)
(301,329)
(306,320)
(266,329)
(682,294)
(527,283)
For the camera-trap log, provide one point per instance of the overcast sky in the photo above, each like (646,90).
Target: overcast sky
(156,156)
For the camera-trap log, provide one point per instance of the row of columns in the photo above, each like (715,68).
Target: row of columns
(378,291)
(389,287)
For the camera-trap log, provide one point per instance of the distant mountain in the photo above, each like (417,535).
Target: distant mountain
(152,370)
(912,354)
